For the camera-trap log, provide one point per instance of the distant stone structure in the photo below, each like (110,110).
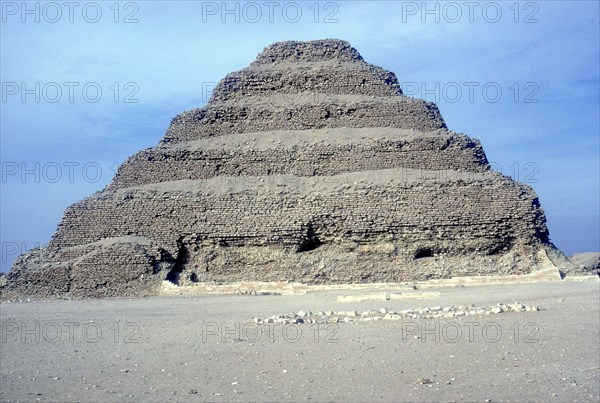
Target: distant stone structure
(585,263)
(310,165)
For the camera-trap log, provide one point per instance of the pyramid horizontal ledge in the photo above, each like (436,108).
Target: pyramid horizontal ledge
(304,111)
(323,77)
(321,152)
(348,180)
(270,139)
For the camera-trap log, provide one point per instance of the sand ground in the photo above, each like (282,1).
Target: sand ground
(207,348)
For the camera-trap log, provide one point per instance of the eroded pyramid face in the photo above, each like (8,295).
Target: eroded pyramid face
(309,165)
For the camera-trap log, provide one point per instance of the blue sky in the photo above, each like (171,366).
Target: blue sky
(88,84)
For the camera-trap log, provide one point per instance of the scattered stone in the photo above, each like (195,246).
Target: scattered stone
(387,314)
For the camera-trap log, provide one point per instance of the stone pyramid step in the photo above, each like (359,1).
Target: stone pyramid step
(304,111)
(319,152)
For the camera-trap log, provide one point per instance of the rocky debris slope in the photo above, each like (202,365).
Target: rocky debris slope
(585,263)
(309,165)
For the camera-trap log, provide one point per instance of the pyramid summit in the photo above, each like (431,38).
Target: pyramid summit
(309,165)
(311,51)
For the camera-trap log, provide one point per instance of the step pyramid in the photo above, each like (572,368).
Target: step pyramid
(309,165)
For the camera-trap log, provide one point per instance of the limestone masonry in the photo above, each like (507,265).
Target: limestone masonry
(309,165)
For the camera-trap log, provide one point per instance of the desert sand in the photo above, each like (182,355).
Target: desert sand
(209,348)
